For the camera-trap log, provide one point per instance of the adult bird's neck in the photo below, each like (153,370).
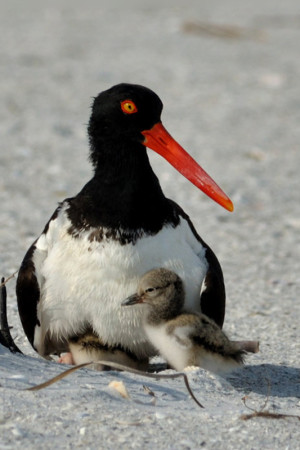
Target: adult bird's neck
(121,163)
(124,192)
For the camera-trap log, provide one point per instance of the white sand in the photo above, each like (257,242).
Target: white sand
(233,102)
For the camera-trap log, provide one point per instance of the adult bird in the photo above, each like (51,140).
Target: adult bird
(98,244)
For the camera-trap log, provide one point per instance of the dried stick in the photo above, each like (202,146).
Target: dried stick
(267,415)
(3,281)
(118,367)
(222,31)
(262,413)
(5,336)
(248,346)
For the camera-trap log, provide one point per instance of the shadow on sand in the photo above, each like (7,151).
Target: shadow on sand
(284,381)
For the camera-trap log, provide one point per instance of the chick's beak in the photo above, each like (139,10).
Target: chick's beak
(132,300)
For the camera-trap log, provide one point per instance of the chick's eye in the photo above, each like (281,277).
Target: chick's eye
(128,107)
(150,290)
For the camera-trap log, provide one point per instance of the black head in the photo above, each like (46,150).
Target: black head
(120,114)
(125,118)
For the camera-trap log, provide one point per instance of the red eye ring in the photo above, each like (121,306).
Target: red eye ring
(128,107)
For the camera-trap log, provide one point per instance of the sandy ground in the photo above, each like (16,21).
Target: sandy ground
(228,74)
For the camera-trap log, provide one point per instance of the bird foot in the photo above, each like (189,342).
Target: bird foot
(66,358)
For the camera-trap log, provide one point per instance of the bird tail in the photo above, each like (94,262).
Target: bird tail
(218,354)
(221,363)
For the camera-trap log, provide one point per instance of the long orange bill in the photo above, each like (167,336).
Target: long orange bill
(159,140)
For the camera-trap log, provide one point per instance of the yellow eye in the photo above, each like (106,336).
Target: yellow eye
(128,107)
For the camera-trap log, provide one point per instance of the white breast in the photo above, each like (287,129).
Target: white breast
(175,351)
(85,282)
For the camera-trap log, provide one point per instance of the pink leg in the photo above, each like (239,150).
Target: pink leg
(66,358)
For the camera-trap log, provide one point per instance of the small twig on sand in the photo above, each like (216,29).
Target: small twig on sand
(4,281)
(267,415)
(5,336)
(223,31)
(248,346)
(118,367)
(262,413)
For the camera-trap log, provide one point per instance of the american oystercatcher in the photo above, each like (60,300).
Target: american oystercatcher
(182,338)
(97,245)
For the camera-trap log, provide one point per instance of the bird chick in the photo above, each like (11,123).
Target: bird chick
(88,347)
(182,338)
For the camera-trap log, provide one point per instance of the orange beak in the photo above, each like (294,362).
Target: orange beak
(159,140)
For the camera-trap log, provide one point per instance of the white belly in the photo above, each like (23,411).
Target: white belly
(168,346)
(84,282)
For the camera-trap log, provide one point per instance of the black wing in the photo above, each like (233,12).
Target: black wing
(213,297)
(28,289)
(28,294)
